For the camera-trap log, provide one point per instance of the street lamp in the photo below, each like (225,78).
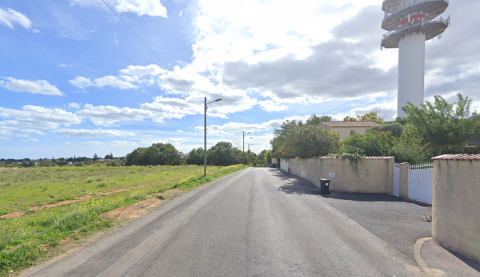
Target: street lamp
(244,147)
(205,134)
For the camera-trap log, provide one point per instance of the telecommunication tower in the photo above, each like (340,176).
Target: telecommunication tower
(409,24)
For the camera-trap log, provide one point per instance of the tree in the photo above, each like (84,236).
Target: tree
(95,157)
(261,157)
(109,156)
(441,123)
(195,156)
(309,141)
(395,128)
(223,154)
(371,116)
(349,118)
(268,157)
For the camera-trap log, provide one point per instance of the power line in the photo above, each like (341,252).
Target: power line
(149,47)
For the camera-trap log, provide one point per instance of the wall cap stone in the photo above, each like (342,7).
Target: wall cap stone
(458,157)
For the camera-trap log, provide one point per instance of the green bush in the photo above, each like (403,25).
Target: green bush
(395,128)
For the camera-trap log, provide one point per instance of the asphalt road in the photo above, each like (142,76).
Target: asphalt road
(251,223)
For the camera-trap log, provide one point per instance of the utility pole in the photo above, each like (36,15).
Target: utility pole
(205,144)
(243,148)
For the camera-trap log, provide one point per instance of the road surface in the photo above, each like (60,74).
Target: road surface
(254,222)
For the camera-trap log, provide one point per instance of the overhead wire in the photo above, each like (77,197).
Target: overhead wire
(104,1)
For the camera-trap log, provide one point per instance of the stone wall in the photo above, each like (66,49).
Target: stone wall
(456,204)
(369,175)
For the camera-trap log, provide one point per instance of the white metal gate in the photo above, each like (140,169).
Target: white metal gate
(396,180)
(420,182)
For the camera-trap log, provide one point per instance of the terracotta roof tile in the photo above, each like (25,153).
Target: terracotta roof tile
(366,158)
(347,124)
(458,157)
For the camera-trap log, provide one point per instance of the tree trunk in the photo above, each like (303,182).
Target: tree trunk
(439,149)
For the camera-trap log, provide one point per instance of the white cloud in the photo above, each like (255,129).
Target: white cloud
(123,143)
(93,143)
(139,7)
(115,38)
(23,135)
(11,17)
(108,115)
(180,14)
(62,65)
(35,87)
(74,106)
(33,131)
(82,133)
(35,117)
(271,106)
(180,131)
(6,132)
(112,81)
(140,71)
(30,140)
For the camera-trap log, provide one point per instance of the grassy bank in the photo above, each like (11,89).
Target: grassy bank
(42,209)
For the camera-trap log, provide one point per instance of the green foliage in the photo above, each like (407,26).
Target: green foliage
(442,124)
(268,157)
(395,128)
(405,148)
(305,141)
(196,156)
(157,154)
(371,116)
(223,154)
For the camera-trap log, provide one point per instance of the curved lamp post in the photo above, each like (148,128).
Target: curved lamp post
(205,134)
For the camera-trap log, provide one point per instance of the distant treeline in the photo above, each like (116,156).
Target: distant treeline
(72,161)
(222,154)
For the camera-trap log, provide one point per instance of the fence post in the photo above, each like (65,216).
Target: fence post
(404,180)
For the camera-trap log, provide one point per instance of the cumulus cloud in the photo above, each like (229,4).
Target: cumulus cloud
(33,131)
(139,7)
(74,106)
(35,87)
(35,117)
(5,133)
(30,140)
(82,133)
(108,115)
(122,143)
(151,70)
(11,17)
(271,106)
(111,81)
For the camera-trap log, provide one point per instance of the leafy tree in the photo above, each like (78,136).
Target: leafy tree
(405,148)
(268,157)
(95,157)
(109,156)
(261,157)
(349,118)
(223,154)
(309,141)
(395,128)
(371,116)
(279,137)
(195,156)
(441,123)
(315,120)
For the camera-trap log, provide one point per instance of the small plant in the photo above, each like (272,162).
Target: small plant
(101,185)
(99,179)
(89,181)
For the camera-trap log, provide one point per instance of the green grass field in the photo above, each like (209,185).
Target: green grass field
(32,227)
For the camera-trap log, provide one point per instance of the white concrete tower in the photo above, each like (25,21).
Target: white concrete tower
(410,23)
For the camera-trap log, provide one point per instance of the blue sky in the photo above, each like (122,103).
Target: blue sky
(74,80)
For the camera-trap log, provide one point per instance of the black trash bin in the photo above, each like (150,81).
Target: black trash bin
(325,186)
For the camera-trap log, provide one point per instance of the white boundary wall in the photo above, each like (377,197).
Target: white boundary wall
(370,175)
